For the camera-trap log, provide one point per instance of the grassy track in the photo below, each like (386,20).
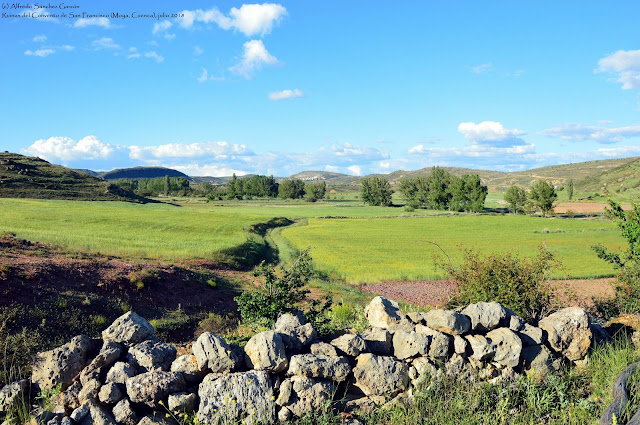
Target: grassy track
(125,229)
(396,249)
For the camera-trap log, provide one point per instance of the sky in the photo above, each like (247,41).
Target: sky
(212,88)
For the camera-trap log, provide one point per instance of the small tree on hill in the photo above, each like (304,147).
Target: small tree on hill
(375,190)
(291,189)
(570,189)
(517,199)
(542,194)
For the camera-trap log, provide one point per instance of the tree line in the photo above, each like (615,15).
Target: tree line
(540,196)
(168,186)
(440,190)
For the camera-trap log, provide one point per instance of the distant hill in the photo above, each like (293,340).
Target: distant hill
(87,171)
(30,177)
(621,182)
(141,173)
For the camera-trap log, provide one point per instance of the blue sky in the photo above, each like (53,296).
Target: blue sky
(353,87)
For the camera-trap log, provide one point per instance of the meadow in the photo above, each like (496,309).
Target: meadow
(402,249)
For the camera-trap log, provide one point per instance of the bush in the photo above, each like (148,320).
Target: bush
(520,285)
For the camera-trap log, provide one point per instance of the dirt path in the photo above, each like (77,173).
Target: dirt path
(437,293)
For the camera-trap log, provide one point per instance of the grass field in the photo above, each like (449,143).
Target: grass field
(399,249)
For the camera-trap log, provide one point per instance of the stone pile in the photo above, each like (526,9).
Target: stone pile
(130,378)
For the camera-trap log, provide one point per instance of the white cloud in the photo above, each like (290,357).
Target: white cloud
(580,132)
(254,57)
(285,94)
(490,133)
(153,55)
(217,150)
(40,52)
(625,64)
(67,47)
(332,168)
(40,38)
(67,149)
(133,53)
(162,27)
(105,43)
(355,170)
(250,19)
(88,22)
(197,50)
(206,77)
(212,170)
(484,68)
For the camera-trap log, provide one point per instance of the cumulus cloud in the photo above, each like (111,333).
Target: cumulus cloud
(254,57)
(40,38)
(105,43)
(218,150)
(249,19)
(92,22)
(67,149)
(153,55)
(161,28)
(332,168)
(484,68)
(285,94)
(133,53)
(625,65)
(581,132)
(355,170)
(40,52)
(490,133)
(212,170)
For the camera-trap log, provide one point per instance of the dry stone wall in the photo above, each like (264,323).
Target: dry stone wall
(129,377)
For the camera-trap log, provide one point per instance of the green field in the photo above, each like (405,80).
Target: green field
(375,250)
(374,244)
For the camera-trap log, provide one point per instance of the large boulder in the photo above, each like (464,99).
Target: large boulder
(120,372)
(351,345)
(152,387)
(378,341)
(295,332)
(110,393)
(539,359)
(383,313)
(214,353)
(481,348)
(124,413)
(507,346)
(439,343)
(323,349)
(409,344)
(129,329)
(380,375)
(448,322)
(301,395)
(60,365)
(485,316)
(151,355)
(265,351)
(531,335)
(568,332)
(323,367)
(237,397)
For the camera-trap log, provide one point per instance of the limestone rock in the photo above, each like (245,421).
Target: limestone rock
(265,351)
(409,344)
(302,395)
(295,333)
(485,316)
(378,341)
(323,367)
(351,345)
(460,345)
(124,413)
(62,364)
(481,347)
(129,329)
(323,349)
(382,313)
(236,397)
(459,368)
(151,355)
(539,359)
(183,402)
(120,372)
(439,343)
(79,413)
(214,353)
(110,393)
(422,370)
(13,394)
(380,375)
(89,391)
(531,335)
(507,346)
(98,416)
(151,387)
(188,366)
(448,322)
(568,332)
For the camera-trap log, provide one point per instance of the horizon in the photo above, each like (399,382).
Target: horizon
(281,88)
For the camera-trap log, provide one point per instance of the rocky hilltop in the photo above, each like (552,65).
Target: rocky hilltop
(129,377)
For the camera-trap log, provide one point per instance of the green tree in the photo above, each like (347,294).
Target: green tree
(167,185)
(570,189)
(439,195)
(517,198)
(291,189)
(542,194)
(467,193)
(375,190)
(233,189)
(314,191)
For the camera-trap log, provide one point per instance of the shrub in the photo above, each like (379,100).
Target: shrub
(219,324)
(521,285)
